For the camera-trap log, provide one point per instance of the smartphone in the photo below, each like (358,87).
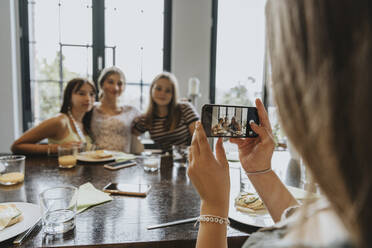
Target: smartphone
(127,189)
(229,121)
(119,165)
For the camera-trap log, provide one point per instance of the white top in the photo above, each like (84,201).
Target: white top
(113,132)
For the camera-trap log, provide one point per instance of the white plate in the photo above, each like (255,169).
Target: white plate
(258,218)
(31,214)
(262,218)
(83,157)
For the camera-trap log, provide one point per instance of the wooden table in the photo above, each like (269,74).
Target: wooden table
(123,221)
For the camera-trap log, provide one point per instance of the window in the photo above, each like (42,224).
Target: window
(238,55)
(240,49)
(62,39)
(135,30)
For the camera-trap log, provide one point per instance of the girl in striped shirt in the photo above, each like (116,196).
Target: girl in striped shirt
(168,121)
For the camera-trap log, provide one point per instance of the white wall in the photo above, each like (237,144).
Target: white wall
(10,112)
(191,40)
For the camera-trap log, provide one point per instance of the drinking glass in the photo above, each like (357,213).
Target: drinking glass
(12,169)
(245,184)
(151,163)
(67,156)
(58,206)
(180,155)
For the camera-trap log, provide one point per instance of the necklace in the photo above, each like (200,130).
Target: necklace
(80,133)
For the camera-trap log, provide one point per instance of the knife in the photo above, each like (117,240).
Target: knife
(20,238)
(173,223)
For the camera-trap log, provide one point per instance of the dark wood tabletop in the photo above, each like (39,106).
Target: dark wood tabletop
(122,222)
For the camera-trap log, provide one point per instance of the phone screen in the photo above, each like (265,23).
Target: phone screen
(127,189)
(229,121)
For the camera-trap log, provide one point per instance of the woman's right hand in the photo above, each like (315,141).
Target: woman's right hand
(209,174)
(255,153)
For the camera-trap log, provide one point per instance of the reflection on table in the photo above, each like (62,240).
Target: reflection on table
(125,219)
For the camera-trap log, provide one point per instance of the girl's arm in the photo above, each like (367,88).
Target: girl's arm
(52,128)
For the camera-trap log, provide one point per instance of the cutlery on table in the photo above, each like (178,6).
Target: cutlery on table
(173,223)
(20,238)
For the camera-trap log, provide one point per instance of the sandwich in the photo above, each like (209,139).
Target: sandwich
(248,202)
(100,154)
(9,215)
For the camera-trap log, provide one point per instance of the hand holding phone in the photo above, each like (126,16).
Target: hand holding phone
(127,189)
(229,121)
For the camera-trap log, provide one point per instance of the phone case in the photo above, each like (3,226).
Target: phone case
(111,166)
(229,125)
(118,192)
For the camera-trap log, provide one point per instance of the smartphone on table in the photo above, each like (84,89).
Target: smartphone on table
(127,189)
(229,121)
(120,165)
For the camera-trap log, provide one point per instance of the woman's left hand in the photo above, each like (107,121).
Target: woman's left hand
(209,174)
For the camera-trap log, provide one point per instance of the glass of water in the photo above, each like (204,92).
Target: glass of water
(245,184)
(180,155)
(58,206)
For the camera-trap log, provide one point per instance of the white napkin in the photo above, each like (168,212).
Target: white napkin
(121,156)
(87,196)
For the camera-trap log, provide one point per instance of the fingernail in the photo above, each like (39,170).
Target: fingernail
(251,122)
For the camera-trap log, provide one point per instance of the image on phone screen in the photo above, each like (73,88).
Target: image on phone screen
(229,121)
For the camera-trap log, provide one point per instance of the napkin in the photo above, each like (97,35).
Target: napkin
(88,196)
(121,156)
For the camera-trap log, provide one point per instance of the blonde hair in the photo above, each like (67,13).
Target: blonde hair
(174,113)
(321,54)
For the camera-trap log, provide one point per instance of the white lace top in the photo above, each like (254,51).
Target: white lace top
(113,132)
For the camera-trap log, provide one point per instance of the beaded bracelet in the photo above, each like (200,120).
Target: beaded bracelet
(212,219)
(258,172)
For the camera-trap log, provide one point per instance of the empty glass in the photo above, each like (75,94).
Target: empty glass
(151,163)
(58,206)
(180,155)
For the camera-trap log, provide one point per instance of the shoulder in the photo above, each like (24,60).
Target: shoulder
(188,111)
(185,106)
(55,124)
(60,120)
(131,109)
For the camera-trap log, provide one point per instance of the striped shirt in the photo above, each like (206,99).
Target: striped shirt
(161,135)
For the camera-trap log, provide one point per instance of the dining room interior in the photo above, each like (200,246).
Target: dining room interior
(217,51)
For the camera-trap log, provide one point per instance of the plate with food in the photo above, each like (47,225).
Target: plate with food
(104,156)
(248,208)
(17,217)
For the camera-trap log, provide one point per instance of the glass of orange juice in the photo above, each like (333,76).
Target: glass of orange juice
(67,156)
(12,169)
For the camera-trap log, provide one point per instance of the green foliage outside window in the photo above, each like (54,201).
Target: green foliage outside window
(48,89)
(237,95)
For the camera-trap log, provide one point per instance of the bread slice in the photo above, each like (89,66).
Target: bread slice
(100,154)
(9,215)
